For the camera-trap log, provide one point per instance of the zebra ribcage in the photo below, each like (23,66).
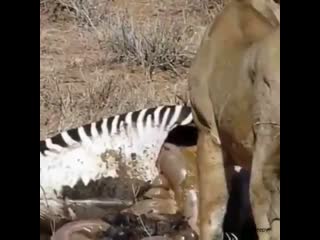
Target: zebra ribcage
(102,148)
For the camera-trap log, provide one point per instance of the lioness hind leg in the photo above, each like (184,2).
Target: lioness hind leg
(260,203)
(272,178)
(260,196)
(213,192)
(212,185)
(275,216)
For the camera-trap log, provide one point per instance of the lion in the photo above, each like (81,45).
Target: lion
(234,86)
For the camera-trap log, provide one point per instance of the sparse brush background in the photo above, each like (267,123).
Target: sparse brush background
(105,57)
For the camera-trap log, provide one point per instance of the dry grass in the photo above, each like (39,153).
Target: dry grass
(155,45)
(101,57)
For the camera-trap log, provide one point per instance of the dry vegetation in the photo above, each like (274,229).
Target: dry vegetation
(103,57)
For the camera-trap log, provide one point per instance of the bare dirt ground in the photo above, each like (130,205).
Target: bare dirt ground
(105,57)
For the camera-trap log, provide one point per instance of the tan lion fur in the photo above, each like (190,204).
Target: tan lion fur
(235,96)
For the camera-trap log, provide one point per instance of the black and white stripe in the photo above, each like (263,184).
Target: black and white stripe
(230,236)
(164,117)
(121,145)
